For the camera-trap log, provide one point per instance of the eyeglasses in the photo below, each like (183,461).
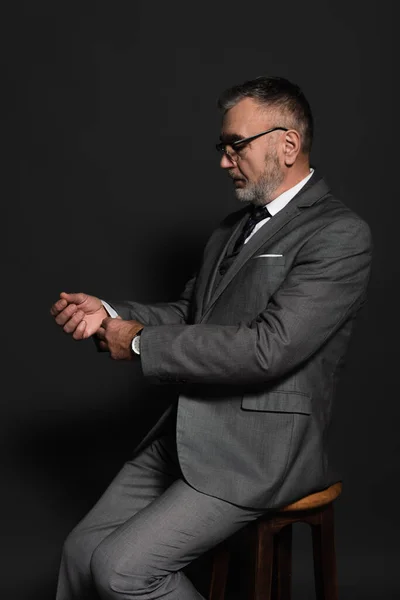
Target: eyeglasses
(240,144)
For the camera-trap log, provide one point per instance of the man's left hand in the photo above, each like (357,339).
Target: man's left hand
(116,336)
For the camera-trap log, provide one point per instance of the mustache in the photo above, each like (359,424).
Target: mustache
(233,175)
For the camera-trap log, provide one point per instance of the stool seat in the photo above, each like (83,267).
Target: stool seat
(315,500)
(268,542)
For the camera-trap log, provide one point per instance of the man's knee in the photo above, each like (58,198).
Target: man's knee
(114,572)
(77,550)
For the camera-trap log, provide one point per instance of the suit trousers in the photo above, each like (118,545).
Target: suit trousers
(148,525)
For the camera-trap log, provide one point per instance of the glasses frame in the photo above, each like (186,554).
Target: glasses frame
(221,146)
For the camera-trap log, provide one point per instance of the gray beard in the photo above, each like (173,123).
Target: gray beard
(262,192)
(259,193)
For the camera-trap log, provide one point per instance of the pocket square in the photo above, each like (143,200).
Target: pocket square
(268,255)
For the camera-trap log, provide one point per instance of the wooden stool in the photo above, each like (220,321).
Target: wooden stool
(270,540)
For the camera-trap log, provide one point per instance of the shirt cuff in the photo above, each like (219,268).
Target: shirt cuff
(113,313)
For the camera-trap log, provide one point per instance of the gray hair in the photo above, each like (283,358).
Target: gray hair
(279,93)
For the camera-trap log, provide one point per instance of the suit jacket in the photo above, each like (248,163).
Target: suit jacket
(258,355)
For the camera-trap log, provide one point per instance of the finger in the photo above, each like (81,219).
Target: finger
(58,306)
(79,333)
(106,321)
(74,321)
(78,298)
(66,314)
(101,333)
(104,346)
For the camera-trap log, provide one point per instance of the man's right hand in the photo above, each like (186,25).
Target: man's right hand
(79,314)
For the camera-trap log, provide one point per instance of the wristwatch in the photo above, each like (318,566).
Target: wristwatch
(136,342)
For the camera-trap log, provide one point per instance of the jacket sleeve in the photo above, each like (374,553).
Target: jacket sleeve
(325,287)
(162,313)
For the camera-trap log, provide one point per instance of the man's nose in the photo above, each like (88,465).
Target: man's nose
(226,162)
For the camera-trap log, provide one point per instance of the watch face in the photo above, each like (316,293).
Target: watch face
(136,344)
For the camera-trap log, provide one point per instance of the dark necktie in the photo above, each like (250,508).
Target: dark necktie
(257,214)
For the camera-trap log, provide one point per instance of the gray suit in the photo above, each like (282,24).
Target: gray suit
(258,354)
(257,351)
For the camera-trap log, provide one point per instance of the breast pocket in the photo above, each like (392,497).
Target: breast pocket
(268,269)
(270,260)
(250,290)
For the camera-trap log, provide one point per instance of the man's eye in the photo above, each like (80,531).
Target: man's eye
(239,147)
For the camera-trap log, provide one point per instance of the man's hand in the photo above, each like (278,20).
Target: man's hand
(116,336)
(78,314)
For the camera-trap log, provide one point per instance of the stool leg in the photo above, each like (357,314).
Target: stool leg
(325,573)
(282,568)
(219,573)
(261,582)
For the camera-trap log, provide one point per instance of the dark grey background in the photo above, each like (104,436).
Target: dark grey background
(112,186)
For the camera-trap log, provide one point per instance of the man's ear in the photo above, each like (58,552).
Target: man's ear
(291,147)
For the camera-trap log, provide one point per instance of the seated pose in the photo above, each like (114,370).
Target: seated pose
(256,341)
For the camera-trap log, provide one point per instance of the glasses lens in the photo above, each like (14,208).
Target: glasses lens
(223,151)
(231,154)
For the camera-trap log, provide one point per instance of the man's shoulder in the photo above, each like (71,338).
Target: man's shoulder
(337,223)
(332,209)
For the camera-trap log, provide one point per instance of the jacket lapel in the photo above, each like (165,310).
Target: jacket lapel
(312,191)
